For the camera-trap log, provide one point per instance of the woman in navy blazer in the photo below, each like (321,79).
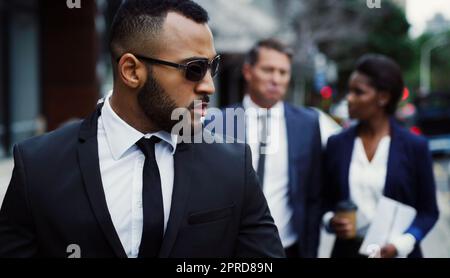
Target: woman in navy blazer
(375,89)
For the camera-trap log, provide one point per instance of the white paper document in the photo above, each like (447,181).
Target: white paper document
(392,219)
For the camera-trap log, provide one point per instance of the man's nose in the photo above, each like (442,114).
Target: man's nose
(277,77)
(206,85)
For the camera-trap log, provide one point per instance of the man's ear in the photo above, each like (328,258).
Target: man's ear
(131,71)
(247,72)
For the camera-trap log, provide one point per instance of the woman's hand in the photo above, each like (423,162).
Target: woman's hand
(388,251)
(343,227)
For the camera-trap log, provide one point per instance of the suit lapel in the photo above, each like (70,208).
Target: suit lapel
(293,140)
(347,152)
(293,128)
(394,160)
(240,135)
(90,169)
(181,189)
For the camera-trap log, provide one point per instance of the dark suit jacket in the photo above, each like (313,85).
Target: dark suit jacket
(409,177)
(304,157)
(56,199)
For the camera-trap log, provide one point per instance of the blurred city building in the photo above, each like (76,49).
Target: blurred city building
(48,57)
(438,24)
(51,64)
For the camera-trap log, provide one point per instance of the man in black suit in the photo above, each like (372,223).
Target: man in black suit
(120,184)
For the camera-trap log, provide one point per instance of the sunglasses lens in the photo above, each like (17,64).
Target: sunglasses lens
(196,70)
(215,66)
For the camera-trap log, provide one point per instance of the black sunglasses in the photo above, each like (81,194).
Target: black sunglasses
(194,70)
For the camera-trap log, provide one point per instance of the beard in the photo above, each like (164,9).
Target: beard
(156,104)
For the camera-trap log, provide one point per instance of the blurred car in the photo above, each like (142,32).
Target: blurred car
(432,119)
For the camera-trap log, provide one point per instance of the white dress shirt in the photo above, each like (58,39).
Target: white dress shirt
(276,175)
(367,180)
(121,167)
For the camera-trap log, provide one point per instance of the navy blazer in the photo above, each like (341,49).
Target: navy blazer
(305,167)
(409,178)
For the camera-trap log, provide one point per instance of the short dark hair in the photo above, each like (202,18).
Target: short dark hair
(138,21)
(253,54)
(385,75)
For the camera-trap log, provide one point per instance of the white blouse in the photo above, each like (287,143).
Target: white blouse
(367,180)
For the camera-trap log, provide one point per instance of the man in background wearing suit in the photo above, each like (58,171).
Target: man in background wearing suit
(120,184)
(289,164)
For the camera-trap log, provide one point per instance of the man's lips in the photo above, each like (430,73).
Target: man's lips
(273,90)
(200,108)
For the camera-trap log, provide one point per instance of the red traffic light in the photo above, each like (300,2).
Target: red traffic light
(405,94)
(326,92)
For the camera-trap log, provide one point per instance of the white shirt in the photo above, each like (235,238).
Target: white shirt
(276,175)
(121,167)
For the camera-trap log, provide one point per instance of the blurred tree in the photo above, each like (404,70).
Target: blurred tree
(440,66)
(346,29)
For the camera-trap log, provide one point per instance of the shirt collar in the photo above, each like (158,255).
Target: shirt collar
(121,136)
(277,111)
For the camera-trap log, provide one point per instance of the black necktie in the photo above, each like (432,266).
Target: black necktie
(152,203)
(262,119)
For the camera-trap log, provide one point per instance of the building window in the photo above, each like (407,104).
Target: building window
(19,72)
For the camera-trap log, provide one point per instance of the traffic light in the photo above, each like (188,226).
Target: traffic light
(326,92)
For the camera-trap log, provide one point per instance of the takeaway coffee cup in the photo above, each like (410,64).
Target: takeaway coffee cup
(347,209)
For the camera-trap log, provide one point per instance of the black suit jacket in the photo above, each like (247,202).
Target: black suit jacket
(56,199)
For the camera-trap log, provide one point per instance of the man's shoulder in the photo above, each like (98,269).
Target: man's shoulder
(347,134)
(418,142)
(302,112)
(235,105)
(222,145)
(58,139)
(232,109)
